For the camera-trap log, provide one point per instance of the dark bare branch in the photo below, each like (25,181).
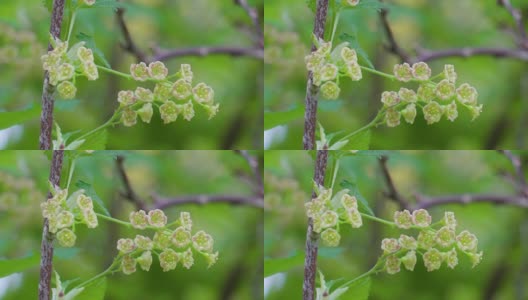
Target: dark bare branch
(253,14)
(428,55)
(255,169)
(129,192)
(163,203)
(392,193)
(427,201)
(393,46)
(517,17)
(129,45)
(163,55)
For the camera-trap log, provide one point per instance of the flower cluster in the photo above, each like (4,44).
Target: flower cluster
(19,48)
(327,212)
(435,99)
(328,65)
(435,245)
(283,50)
(171,98)
(15,193)
(64,212)
(64,65)
(172,246)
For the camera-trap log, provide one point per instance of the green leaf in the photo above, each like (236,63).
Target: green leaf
(333,105)
(95,291)
(96,141)
(360,141)
(92,194)
(372,4)
(278,265)
(67,105)
(312,5)
(10,266)
(273,119)
(354,191)
(90,43)
(359,290)
(66,253)
(48,4)
(107,3)
(352,40)
(11,118)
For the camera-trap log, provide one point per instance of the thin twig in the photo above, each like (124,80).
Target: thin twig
(165,202)
(519,171)
(427,201)
(310,113)
(46,249)
(310,261)
(393,45)
(255,169)
(129,192)
(253,15)
(129,45)
(428,55)
(163,55)
(392,193)
(517,17)
(46,117)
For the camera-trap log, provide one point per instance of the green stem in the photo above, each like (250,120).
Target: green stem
(71,25)
(110,122)
(111,71)
(70,175)
(336,168)
(392,77)
(372,270)
(336,21)
(114,220)
(378,219)
(102,274)
(372,123)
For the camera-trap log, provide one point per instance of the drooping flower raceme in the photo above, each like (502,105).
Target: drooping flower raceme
(63,212)
(173,246)
(436,245)
(173,99)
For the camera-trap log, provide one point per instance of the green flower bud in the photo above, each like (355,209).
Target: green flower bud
(351,2)
(89,70)
(329,219)
(451,258)
(84,202)
(139,219)
(145,112)
(169,112)
(349,202)
(168,259)
(450,220)
(67,90)
(475,258)
(392,264)
(157,218)
(353,70)
(354,218)
(426,239)
(390,98)
(65,219)
(126,98)
(392,117)
(66,238)
(317,224)
(348,55)
(407,95)
(50,208)
(313,61)
(432,259)
(211,258)
(390,245)
(185,220)
(203,94)
(181,89)
(328,72)
(202,241)
(450,74)
(188,111)
(421,71)
(314,208)
(451,111)
(187,258)
(128,265)
(65,71)
(426,92)
(445,90)
(90,218)
(432,112)
(330,90)
(50,61)
(467,241)
(421,218)
(143,242)
(330,237)
(403,219)
(139,72)
(129,117)
(85,55)
(409,260)
(157,70)
(144,95)
(445,237)
(403,72)
(409,113)
(126,245)
(162,239)
(145,260)
(181,237)
(467,94)
(407,242)
(186,72)
(162,91)
(211,110)
(475,111)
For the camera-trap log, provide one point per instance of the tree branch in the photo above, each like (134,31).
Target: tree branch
(517,17)
(163,203)
(310,261)
(46,248)
(427,55)
(163,55)
(129,192)
(427,201)
(392,193)
(255,169)
(519,172)
(129,44)
(310,113)
(253,15)
(46,116)
(393,46)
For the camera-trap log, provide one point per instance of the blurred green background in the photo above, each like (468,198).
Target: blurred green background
(237,81)
(237,230)
(501,229)
(434,25)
